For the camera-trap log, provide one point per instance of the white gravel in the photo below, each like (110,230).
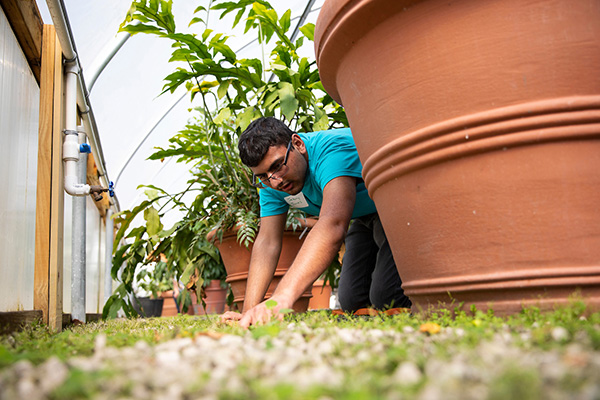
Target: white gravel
(376,363)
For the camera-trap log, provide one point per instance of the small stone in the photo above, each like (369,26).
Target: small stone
(408,373)
(459,332)
(27,389)
(559,334)
(23,368)
(52,374)
(408,329)
(142,346)
(346,335)
(168,357)
(376,334)
(100,343)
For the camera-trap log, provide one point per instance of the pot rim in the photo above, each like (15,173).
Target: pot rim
(341,23)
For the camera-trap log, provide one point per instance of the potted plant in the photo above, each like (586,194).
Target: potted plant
(216,292)
(232,92)
(150,282)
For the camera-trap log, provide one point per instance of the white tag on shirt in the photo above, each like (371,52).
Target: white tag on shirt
(297,200)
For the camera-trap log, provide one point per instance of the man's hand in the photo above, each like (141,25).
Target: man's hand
(264,312)
(230,317)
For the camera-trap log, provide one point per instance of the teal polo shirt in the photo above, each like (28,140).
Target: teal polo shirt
(331,154)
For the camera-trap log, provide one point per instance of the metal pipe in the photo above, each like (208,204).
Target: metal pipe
(78,242)
(108,255)
(71,142)
(133,153)
(105,55)
(303,16)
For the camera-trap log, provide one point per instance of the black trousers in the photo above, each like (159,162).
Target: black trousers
(369,277)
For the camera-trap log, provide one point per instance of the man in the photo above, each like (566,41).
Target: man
(319,173)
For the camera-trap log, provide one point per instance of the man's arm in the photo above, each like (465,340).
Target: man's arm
(320,247)
(263,262)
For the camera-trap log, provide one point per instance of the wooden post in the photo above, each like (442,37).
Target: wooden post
(24,18)
(50,196)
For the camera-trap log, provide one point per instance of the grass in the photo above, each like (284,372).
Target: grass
(447,348)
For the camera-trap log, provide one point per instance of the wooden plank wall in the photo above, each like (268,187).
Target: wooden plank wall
(55,308)
(50,195)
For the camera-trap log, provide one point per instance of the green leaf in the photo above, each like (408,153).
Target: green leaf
(322,124)
(169,232)
(223,115)
(222,90)
(244,119)
(284,21)
(287,98)
(189,271)
(238,17)
(112,307)
(153,224)
(271,304)
(152,194)
(279,67)
(141,28)
(195,20)
(309,31)
(205,85)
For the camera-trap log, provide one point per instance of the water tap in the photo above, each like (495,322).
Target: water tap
(96,192)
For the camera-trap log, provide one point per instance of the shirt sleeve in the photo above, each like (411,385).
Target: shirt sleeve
(336,156)
(271,203)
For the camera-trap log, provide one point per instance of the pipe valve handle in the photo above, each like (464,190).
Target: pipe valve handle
(85,148)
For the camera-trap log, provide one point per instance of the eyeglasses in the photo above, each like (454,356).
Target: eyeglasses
(260,181)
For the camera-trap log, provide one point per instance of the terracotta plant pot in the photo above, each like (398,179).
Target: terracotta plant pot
(216,299)
(236,258)
(169,308)
(321,294)
(478,126)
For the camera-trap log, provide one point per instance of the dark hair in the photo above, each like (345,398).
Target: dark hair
(261,134)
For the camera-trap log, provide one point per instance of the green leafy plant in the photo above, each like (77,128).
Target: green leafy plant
(155,280)
(231,92)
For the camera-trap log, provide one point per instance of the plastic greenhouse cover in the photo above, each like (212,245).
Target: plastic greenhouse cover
(125,97)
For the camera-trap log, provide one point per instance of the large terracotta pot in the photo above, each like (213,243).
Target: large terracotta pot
(215,300)
(478,126)
(236,258)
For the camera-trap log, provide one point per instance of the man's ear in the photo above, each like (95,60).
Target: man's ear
(298,143)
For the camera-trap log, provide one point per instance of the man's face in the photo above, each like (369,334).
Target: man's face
(284,170)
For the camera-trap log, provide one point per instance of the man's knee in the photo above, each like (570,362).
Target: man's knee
(349,301)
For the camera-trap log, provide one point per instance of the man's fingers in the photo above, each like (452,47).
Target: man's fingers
(246,321)
(256,316)
(231,316)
